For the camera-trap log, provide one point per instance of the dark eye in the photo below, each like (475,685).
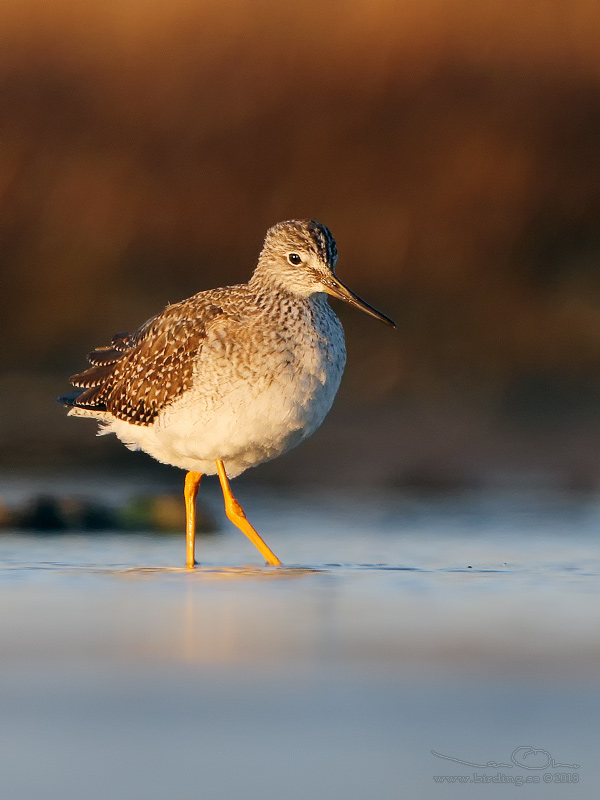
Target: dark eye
(294,258)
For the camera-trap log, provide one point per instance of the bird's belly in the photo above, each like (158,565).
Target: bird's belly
(242,421)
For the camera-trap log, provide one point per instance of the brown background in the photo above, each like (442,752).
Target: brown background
(452,147)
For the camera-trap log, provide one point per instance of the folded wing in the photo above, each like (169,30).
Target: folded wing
(138,375)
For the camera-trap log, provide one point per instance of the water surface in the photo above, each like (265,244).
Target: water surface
(468,626)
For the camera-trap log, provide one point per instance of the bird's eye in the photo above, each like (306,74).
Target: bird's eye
(294,258)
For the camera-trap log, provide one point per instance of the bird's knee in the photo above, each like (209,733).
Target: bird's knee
(234,510)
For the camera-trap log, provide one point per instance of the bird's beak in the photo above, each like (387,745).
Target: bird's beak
(333,286)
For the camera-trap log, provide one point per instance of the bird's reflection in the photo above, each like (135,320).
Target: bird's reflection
(234,629)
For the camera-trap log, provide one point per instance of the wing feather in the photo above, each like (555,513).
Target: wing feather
(138,374)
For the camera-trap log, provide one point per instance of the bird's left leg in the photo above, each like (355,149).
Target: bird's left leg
(192,481)
(236,514)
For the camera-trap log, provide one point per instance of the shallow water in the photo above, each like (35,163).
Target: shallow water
(468,626)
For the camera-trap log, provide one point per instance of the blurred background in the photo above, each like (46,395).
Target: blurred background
(452,147)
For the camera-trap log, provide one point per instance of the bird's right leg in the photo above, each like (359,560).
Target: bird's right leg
(236,514)
(192,481)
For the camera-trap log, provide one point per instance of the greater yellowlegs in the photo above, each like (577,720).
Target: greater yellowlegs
(230,377)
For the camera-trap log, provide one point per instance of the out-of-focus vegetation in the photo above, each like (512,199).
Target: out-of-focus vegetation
(47,513)
(453,147)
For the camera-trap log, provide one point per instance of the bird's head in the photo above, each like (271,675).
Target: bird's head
(300,256)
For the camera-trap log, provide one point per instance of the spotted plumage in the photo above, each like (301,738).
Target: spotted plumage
(230,377)
(139,375)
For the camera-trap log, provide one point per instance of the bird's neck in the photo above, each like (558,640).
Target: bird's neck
(265,278)
(265,284)
(273,298)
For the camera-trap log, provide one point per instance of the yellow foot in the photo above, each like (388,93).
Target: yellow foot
(236,514)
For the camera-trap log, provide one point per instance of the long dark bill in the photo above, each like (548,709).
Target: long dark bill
(336,288)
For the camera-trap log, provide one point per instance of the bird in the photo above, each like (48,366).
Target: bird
(230,377)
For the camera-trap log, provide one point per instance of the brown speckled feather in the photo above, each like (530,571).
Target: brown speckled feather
(138,375)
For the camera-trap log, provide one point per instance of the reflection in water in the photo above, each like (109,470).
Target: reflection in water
(220,573)
(211,633)
(196,628)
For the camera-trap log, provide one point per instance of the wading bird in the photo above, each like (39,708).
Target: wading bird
(230,377)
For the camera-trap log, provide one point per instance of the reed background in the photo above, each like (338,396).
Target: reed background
(452,147)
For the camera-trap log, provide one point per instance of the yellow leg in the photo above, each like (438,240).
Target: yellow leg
(192,481)
(236,514)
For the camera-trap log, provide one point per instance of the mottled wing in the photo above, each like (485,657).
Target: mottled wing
(138,375)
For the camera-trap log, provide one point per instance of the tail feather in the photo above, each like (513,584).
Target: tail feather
(83,399)
(70,400)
